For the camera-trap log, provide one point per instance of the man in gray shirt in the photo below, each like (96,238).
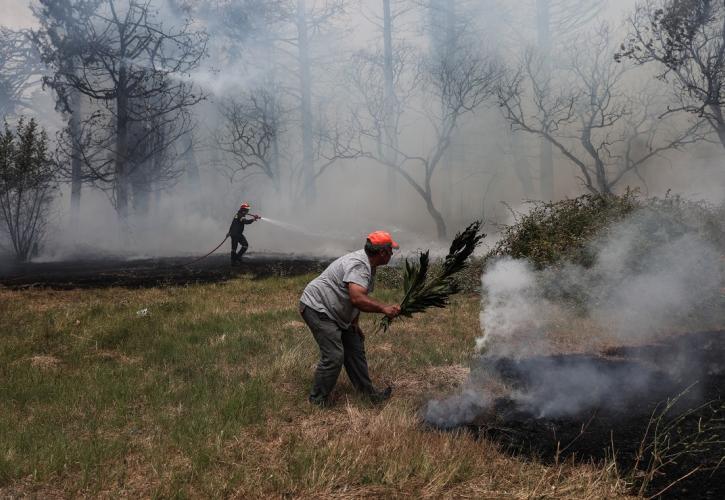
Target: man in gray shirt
(331,305)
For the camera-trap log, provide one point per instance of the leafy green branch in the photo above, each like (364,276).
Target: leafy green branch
(423,291)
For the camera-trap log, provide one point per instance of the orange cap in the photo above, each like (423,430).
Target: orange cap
(382,238)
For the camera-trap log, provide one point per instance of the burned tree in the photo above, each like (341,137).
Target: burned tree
(59,40)
(443,90)
(685,39)
(292,34)
(603,130)
(548,25)
(299,24)
(279,40)
(234,26)
(447,30)
(157,141)
(27,185)
(251,135)
(458,85)
(133,70)
(387,17)
(20,70)
(556,19)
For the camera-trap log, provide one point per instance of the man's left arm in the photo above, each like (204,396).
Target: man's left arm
(361,300)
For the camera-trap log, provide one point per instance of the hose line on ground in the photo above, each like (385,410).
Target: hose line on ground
(207,255)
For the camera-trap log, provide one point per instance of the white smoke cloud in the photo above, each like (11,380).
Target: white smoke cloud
(511,302)
(634,292)
(459,409)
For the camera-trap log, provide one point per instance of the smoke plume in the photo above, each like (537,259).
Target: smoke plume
(634,292)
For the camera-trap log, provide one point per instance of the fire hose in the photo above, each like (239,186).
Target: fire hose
(207,255)
(256,217)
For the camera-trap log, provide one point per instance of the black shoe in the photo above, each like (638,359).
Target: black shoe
(380,396)
(322,403)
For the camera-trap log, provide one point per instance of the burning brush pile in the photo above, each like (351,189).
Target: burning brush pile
(584,356)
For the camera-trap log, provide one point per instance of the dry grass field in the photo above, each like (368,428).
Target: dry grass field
(205,396)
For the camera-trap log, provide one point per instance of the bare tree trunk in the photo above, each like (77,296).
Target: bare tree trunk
(448,159)
(546,170)
(309,191)
(602,184)
(437,217)
(121,159)
(721,133)
(192,165)
(546,151)
(521,165)
(141,189)
(76,172)
(391,135)
(275,163)
(719,122)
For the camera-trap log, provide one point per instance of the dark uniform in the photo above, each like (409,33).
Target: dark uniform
(236,232)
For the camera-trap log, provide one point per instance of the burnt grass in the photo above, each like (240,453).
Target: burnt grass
(147,273)
(622,420)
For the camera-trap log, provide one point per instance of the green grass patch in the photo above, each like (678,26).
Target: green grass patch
(206,397)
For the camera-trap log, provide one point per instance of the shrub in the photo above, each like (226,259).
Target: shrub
(552,231)
(27,183)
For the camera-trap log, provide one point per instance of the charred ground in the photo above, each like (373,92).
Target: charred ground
(147,273)
(649,442)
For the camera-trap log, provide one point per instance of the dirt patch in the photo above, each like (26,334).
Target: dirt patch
(145,273)
(294,325)
(45,362)
(453,375)
(29,488)
(117,357)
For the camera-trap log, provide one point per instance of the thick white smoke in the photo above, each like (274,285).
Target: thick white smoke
(633,292)
(513,303)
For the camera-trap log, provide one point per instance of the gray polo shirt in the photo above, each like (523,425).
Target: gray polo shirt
(328,292)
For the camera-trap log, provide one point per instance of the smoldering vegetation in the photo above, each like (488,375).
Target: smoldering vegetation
(591,353)
(637,281)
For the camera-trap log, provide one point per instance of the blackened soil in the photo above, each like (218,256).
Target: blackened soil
(144,273)
(689,368)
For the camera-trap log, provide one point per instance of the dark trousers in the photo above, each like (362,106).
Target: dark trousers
(338,348)
(242,242)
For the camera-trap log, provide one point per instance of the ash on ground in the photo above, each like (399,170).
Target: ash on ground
(612,405)
(145,273)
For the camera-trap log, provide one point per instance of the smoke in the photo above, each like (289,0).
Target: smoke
(459,409)
(189,224)
(636,291)
(512,307)
(353,195)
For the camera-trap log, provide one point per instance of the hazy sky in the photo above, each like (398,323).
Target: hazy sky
(16,13)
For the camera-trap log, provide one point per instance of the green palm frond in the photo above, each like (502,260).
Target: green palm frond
(422,291)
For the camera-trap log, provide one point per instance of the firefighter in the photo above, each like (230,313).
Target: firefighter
(330,306)
(236,231)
